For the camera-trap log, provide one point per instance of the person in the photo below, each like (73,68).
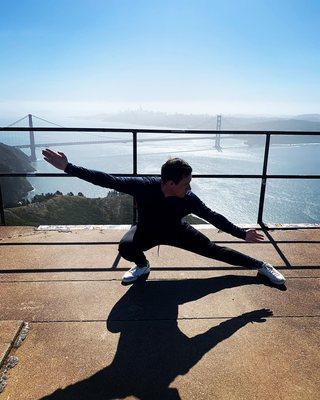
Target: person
(162,205)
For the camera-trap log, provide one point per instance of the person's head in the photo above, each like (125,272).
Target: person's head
(176,177)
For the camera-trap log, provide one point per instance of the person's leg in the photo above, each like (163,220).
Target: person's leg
(133,244)
(191,239)
(131,247)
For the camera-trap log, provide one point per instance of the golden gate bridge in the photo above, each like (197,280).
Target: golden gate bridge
(33,145)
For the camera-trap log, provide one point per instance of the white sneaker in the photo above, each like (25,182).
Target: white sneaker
(136,272)
(270,272)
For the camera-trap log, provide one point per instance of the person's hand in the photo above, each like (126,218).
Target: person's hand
(58,160)
(253,236)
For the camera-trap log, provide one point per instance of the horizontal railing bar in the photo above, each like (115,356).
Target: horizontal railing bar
(176,131)
(45,174)
(7,244)
(160,269)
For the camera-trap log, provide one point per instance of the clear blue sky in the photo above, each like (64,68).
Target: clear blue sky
(230,56)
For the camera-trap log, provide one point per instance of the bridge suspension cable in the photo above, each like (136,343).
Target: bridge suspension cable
(13,123)
(34,116)
(45,120)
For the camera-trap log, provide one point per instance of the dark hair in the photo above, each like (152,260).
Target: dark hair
(174,170)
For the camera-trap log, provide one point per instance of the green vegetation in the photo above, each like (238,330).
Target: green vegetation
(58,209)
(53,209)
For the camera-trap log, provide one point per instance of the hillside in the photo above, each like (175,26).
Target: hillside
(63,210)
(114,209)
(14,160)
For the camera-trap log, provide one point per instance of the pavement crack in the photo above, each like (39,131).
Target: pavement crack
(163,319)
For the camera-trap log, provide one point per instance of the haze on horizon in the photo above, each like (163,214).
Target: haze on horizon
(82,57)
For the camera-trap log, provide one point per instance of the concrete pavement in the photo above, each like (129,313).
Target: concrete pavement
(198,328)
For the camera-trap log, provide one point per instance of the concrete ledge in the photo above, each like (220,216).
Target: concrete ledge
(9,331)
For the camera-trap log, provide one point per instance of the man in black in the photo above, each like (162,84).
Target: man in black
(162,205)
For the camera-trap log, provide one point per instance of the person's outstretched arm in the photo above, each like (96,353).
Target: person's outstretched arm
(222,223)
(121,184)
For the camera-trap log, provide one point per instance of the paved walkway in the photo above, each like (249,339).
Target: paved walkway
(197,329)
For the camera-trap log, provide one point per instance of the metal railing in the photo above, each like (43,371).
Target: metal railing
(264,176)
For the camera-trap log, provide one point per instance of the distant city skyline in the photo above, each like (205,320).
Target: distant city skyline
(81,58)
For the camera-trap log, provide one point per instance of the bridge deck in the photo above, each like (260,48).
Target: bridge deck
(42,145)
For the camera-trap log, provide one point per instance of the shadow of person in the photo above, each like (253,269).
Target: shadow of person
(152,351)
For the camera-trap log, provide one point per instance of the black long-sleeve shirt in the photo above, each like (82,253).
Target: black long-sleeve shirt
(155,211)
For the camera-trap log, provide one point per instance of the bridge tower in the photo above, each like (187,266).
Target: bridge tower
(33,156)
(218,136)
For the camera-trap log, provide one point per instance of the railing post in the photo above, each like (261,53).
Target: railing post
(32,143)
(135,171)
(264,179)
(3,221)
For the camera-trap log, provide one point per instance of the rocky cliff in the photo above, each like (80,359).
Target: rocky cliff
(13,160)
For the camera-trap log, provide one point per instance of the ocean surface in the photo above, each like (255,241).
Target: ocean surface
(286,200)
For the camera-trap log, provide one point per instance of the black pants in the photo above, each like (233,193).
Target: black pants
(136,241)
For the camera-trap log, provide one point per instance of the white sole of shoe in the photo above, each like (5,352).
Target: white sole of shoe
(127,281)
